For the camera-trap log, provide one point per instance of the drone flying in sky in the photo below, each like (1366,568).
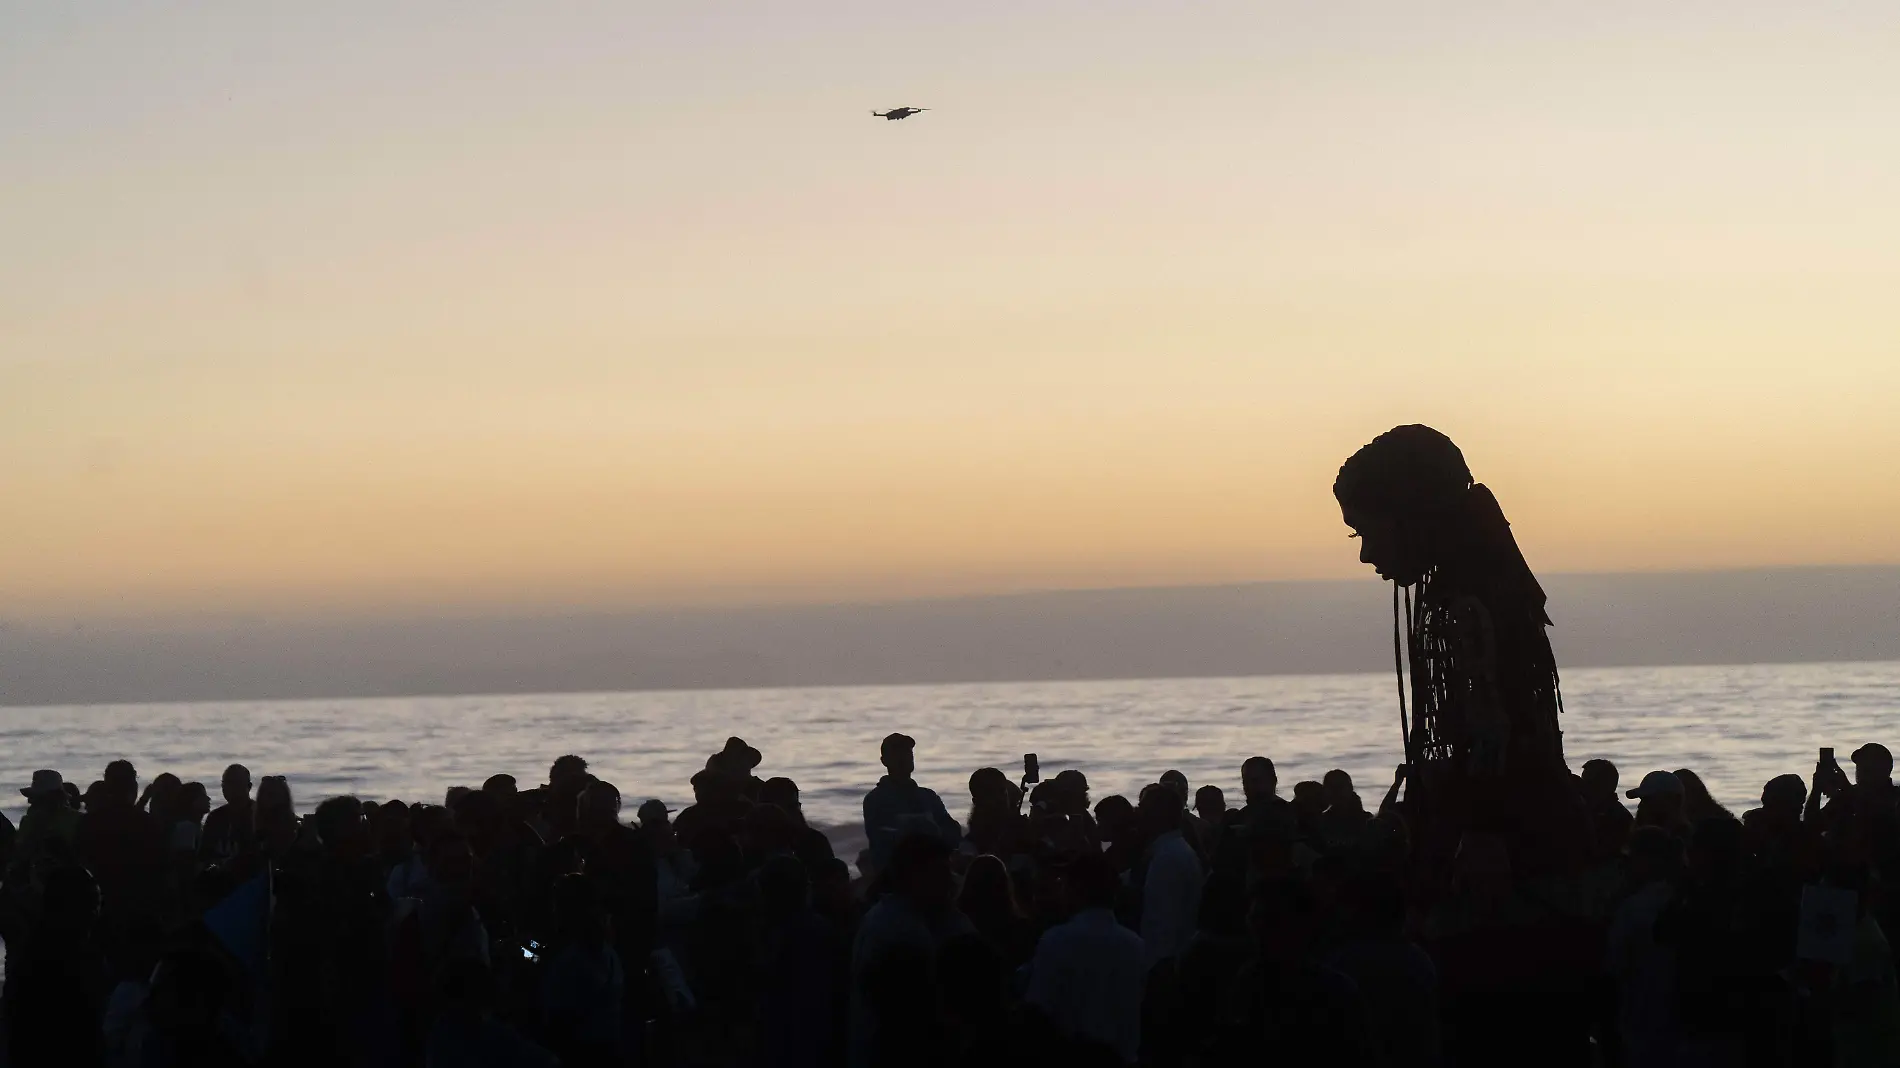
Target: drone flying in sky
(898,113)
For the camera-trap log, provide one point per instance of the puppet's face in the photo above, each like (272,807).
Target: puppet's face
(1385,544)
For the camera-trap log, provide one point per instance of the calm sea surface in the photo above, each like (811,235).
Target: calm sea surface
(1736,726)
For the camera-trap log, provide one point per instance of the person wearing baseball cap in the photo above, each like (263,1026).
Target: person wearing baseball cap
(49,818)
(1659,802)
(1873,765)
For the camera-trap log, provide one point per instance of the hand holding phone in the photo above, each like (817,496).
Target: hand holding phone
(1032,771)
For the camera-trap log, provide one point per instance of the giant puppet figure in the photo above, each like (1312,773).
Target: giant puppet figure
(1483,748)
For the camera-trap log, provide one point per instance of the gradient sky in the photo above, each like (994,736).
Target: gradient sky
(378,307)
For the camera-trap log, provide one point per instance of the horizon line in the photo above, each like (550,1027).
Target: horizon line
(449,695)
(467,611)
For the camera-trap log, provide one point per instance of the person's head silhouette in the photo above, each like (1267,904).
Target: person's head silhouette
(1177,782)
(599,806)
(1071,790)
(122,781)
(988,894)
(194,801)
(1210,804)
(1115,817)
(1336,785)
(1158,810)
(1658,798)
(899,755)
(1599,781)
(235,784)
(1784,796)
(990,790)
(653,816)
(1258,780)
(340,828)
(48,790)
(780,792)
(1873,765)
(567,771)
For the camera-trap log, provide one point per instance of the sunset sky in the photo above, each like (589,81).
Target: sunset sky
(373,307)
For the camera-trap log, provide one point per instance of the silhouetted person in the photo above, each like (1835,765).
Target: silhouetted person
(738,760)
(448,927)
(1397,981)
(1208,967)
(1345,818)
(1210,804)
(719,804)
(1178,782)
(1260,785)
(620,861)
(897,805)
(1484,704)
(1873,768)
(782,793)
(893,982)
(1775,833)
(1172,876)
(185,1014)
(800,980)
(123,847)
(1284,1008)
(767,831)
(1513,971)
(1723,974)
(467,1032)
(1610,822)
(585,982)
(995,816)
(50,827)
(274,816)
(988,900)
(1120,832)
(1697,803)
(1309,806)
(567,777)
(129,965)
(1869,807)
(1088,974)
(161,796)
(974,984)
(673,863)
(1644,969)
(1659,800)
(55,982)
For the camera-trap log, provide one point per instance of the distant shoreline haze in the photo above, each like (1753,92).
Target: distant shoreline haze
(1791,615)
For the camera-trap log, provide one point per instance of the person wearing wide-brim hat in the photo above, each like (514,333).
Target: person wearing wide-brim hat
(737,757)
(49,818)
(737,760)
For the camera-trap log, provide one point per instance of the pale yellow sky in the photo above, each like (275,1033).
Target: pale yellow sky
(341,309)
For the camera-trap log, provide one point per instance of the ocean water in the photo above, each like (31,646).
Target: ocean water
(1737,726)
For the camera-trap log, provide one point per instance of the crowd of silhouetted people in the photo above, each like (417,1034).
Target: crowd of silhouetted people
(512,925)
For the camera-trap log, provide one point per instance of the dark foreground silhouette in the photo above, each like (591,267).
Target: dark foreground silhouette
(515,926)
(1492,908)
